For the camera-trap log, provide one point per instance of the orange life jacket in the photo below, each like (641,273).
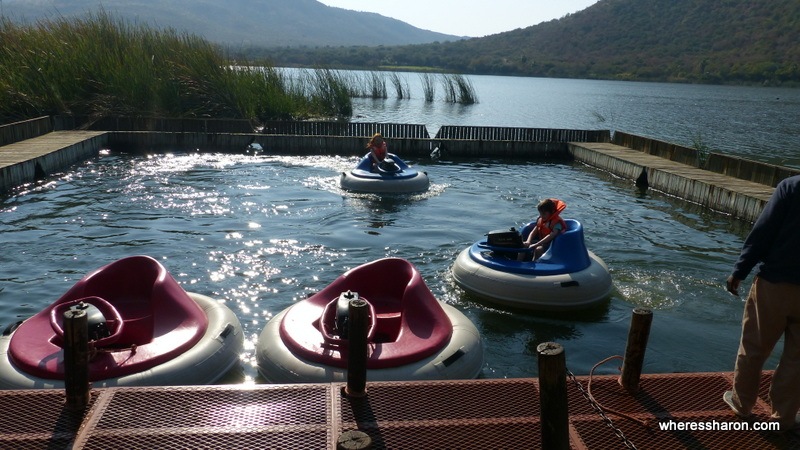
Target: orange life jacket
(545,228)
(379,150)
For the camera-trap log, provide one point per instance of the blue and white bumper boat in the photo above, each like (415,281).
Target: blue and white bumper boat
(392,176)
(566,277)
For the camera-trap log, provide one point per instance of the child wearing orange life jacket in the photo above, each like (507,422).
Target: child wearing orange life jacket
(377,150)
(548,226)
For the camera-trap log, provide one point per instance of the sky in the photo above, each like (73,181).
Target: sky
(474,18)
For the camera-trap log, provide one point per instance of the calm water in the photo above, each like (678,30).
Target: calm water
(261,231)
(751,122)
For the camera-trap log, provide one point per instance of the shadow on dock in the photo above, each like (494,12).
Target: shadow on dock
(497,413)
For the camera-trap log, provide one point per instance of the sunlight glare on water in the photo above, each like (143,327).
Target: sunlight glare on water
(262,232)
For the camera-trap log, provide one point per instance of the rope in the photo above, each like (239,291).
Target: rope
(645,423)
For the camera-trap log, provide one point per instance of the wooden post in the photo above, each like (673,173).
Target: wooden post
(358,327)
(554,412)
(76,358)
(635,348)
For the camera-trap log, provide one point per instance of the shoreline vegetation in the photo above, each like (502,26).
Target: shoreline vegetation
(100,66)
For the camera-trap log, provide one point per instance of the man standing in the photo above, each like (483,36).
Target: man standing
(772,309)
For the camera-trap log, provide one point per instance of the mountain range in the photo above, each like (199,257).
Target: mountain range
(697,41)
(239,23)
(701,41)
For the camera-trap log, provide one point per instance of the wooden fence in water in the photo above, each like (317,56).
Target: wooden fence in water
(732,166)
(325,137)
(350,129)
(272,127)
(155,124)
(328,137)
(666,150)
(26,129)
(468,132)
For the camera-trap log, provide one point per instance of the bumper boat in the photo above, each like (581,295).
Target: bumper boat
(392,176)
(144,330)
(567,276)
(412,335)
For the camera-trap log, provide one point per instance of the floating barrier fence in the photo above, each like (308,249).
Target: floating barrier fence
(349,129)
(413,139)
(521,134)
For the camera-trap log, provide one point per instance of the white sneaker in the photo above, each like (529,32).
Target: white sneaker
(728,398)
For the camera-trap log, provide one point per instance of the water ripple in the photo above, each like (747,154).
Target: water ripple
(262,232)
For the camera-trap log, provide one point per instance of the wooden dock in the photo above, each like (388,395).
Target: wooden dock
(667,413)
(36,157)
(740,198)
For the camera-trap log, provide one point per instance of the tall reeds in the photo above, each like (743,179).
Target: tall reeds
(373,84)
(99,66)
(401,88)
(703,150)
(428,86)
(458,89)
(329,93)
(377,85)
(366,84)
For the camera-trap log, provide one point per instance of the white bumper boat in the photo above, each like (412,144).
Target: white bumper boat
(412,336)
(567,276)
(392,176)
(144,330)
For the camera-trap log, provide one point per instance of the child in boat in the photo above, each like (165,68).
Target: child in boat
(548,226)
(377,150)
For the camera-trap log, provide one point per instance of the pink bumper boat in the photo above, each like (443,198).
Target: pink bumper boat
(144,329)
(412,335)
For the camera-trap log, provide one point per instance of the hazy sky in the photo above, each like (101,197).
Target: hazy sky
(467,17)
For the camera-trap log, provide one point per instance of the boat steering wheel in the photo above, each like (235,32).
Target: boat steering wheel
(106,308)
(388,166)
(329,336)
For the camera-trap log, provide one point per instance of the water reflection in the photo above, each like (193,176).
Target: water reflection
(379,211)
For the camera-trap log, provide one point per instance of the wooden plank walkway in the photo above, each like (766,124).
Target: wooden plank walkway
(740,198)
(667,413)
(25,161)
(29,149)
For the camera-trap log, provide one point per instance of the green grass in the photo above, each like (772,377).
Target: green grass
(99,67)
(703,150)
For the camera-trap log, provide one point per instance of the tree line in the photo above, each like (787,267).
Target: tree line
(696,41)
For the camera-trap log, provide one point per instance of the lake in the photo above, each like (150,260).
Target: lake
(752,122)
(261,231)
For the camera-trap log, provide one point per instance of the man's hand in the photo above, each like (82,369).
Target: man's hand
(733,285)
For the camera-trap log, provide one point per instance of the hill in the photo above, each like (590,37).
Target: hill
(240,23)
(701,41)
(706,41)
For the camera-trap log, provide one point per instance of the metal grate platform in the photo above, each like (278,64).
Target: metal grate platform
(683,398)
(497,413)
